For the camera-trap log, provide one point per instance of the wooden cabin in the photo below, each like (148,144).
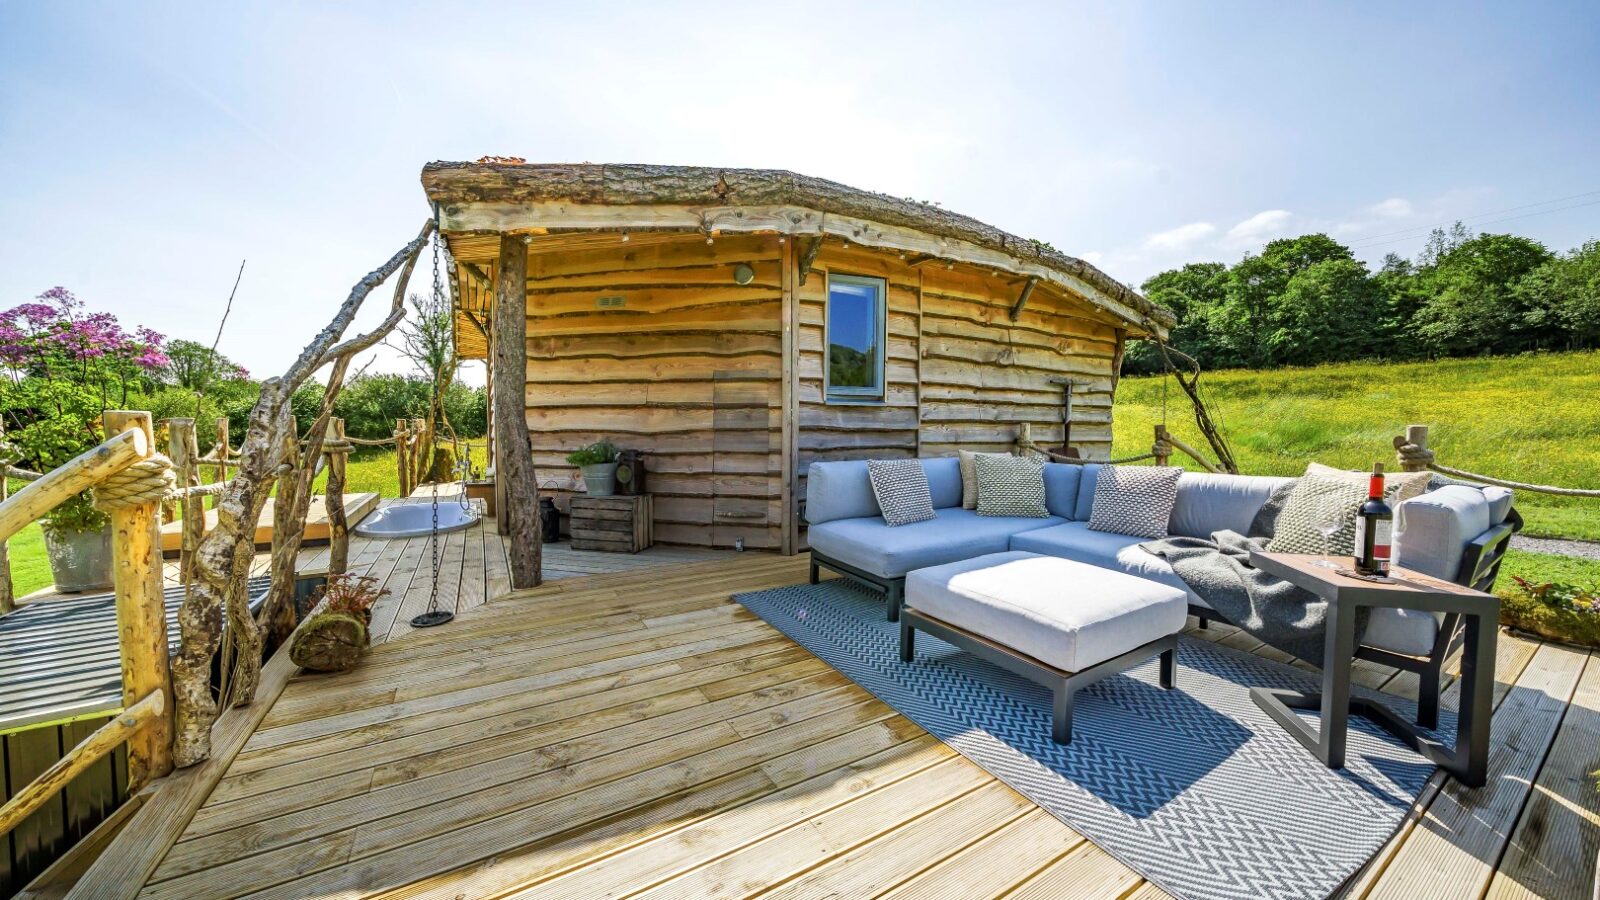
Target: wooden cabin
(737,324)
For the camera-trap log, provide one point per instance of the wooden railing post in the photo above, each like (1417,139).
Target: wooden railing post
(1416,435)
(422,455)
(184,449)
(221,451)
(141,615)
(338,527)
(1162,448)
(8,592)
(400,462)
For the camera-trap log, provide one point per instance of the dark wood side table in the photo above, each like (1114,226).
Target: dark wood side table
(1468,759)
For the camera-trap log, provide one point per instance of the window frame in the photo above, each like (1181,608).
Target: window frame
(848,394)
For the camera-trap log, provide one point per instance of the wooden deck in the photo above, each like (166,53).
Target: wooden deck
(638,734)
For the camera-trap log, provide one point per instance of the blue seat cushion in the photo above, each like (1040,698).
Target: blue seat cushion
(1399,630)
(868,544)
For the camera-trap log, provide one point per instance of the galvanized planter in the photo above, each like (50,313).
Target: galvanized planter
(79,560)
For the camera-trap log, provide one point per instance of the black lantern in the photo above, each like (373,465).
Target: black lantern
(630,473)
(549,520)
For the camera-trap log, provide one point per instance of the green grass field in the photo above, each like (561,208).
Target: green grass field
(1529,418)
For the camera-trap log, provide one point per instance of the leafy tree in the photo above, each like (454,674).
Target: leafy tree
(1561,298)
(1473,305)
(1330,311)
(1191,292)
(1245,321)
(194,366)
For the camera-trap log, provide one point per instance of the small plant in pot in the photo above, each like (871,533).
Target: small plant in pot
(334,639)
(598,463)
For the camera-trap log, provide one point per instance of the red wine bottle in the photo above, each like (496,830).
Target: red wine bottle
(1374,528)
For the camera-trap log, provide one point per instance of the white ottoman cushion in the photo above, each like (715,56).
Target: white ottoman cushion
(1064,613)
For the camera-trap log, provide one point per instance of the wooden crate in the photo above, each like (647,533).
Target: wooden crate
(618,524)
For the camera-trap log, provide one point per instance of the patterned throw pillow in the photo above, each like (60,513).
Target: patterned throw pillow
(1010,486)
(1397,486)
(902,490)
(1134,500)
(969,476)
(1320,514)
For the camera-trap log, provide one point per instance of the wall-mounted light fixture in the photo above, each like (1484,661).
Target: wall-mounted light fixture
(743,274)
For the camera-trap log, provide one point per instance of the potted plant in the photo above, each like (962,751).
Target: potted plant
(334,639)
(63,368)
(598,463)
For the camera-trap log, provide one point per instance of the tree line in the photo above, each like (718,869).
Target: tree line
(1308,300)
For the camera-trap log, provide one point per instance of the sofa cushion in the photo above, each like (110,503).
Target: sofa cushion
(1432,531)
(838,490)
(1086,482)
(969,476)
(1209,503)
(901,489)
(841,489)
(944,481)
(1068,615)
(1010,486)
(1499,502)
(1135,500)
(1398,487)
(1061,488)
(1402,631)
(1319,517)
(866,543)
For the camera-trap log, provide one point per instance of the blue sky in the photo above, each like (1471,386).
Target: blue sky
(147,148)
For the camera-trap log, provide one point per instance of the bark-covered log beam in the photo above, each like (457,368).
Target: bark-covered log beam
(808,255)
(514,471)
(482,326)
(457,187)
(1022,299)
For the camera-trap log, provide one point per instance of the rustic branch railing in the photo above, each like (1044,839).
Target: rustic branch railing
(1414,455)
(147,713)
(1160,451)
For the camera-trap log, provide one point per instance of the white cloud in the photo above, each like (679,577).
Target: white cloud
(1392,208)
(1259,228)
(1180,237)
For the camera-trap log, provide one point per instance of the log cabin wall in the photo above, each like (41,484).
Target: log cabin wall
(652,344)
(959,373)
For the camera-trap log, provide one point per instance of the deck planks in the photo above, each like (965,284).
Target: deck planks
(636,734)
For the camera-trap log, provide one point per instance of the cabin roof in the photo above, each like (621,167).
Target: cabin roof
(508,195)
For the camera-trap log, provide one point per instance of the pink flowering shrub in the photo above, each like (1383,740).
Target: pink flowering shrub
(63,367)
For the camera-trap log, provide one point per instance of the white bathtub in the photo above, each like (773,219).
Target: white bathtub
(407,520)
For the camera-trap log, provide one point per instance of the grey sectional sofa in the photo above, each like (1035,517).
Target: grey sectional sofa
(1456,532)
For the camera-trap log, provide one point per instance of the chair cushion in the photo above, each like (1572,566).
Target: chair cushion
(1059,612)
(944,481)
(1011,486)
(969,476)
(841,489)
(1061,488)
(1319,517)
(1209,503)
(1432,531)
(1086,484)
(1398,487)
(953,533)
(1402,631)
(1135,500)
(901,488)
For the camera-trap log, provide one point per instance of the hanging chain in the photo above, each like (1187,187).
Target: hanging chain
(433,544)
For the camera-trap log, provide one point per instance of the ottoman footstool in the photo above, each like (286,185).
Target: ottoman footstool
(1060,623)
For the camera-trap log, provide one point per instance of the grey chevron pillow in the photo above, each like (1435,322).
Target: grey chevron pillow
(1011,486)
(901,487)
(1134,500)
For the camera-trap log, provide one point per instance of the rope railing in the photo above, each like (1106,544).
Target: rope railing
(1414,455)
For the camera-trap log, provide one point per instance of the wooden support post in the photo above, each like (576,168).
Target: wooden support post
(141,615)
(184,449)
(338,528)
(422,454)
(808,255)
(221,452)
(1022,298)
(8,591)
(1416,435)
(1162,448)
(400,462)
(514,470)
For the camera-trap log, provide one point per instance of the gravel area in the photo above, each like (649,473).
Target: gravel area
(1584,549)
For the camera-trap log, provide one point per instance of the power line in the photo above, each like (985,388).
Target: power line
(1369,245)
(1493,212)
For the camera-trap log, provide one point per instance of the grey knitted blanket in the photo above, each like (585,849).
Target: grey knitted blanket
(1264,606)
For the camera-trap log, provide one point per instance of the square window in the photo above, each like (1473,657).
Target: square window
(855,337)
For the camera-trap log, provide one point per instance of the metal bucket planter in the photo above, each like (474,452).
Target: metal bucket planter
(600,479)
(79,560)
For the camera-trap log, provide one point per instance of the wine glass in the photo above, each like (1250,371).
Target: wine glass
(1329,529)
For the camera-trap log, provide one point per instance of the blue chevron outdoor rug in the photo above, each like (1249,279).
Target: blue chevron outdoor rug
(1195,788)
